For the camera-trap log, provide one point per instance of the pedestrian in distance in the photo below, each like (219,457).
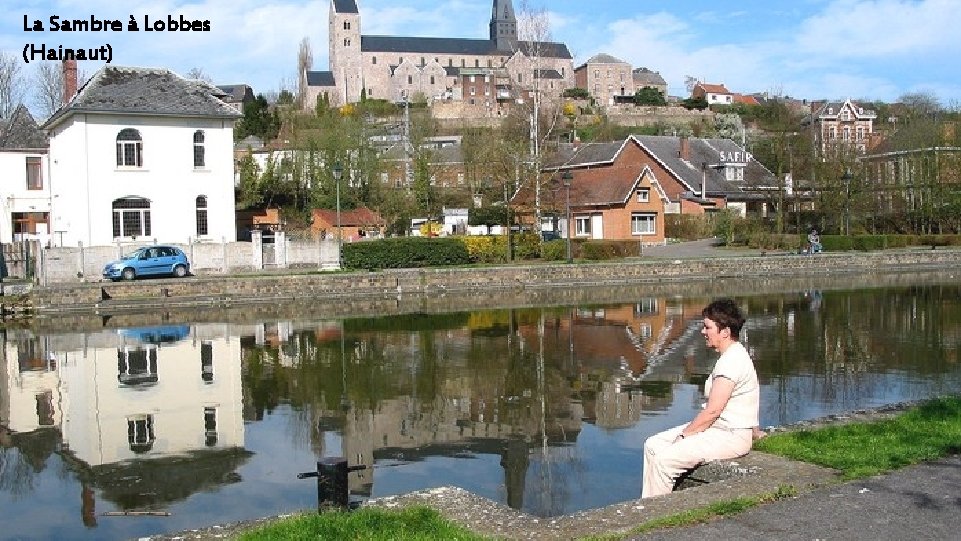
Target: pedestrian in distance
(727,424)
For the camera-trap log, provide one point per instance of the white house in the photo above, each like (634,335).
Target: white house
(141,154)
(24,187)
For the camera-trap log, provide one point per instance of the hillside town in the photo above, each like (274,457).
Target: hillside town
(442,136)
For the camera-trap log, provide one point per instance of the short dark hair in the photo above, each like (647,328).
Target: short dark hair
(726,314)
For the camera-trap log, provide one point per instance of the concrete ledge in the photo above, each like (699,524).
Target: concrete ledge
(755,475)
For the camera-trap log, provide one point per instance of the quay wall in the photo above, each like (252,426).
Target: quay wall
(272,288)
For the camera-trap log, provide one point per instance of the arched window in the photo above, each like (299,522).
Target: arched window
(131,217)
(201,215)
(199,149)
(129,148)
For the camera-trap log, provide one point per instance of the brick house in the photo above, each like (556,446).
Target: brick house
(713,94)
(646,78)
(606,78)
(355,224)
(703,175)
(614,195)
(622,190)
(841,125)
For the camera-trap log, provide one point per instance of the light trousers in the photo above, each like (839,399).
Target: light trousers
(665,459)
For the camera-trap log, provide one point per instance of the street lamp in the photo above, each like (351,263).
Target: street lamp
(846,177)
(338,171)
(567,177)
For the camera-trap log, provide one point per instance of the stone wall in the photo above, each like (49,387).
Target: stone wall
(459,285)
(61,265)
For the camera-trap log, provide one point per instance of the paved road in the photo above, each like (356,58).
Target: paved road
(918,502)
(695,249)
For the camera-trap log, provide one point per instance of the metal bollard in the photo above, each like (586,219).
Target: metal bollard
(332,490)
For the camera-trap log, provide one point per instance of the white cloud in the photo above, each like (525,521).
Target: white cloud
(881,28)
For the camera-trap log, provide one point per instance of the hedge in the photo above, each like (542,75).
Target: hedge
(405,252)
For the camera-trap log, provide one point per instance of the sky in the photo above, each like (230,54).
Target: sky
(808,49)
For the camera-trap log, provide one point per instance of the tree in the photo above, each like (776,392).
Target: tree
(12,84)
(577,93)
(258,120)
(48,80)
(695,103)
(534,35)
(198,74)
(649,96)
(286,97)
(305,61)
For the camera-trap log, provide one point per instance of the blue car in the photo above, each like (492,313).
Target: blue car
(149,261)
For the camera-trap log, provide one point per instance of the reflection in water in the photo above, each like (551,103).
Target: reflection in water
(543,409)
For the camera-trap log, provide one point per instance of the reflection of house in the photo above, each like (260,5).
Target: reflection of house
(24,179)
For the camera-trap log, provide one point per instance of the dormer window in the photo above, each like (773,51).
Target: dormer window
(733,173)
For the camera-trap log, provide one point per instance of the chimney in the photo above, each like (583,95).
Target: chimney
(69,80)
(684,152)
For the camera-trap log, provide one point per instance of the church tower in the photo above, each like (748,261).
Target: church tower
(345,55)
(504,26)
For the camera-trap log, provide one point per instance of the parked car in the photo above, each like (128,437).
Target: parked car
(149,261)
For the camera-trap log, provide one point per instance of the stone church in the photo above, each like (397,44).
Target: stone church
(489,72)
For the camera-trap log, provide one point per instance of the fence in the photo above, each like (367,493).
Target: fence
(85,263)
(18,259)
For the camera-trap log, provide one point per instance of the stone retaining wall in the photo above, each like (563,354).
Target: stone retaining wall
(240,289)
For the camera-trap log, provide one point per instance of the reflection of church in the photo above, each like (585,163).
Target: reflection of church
(123,399)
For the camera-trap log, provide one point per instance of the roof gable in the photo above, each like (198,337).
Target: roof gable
(22,132)
(713,89)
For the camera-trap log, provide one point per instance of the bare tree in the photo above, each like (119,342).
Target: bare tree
(534,41)
(48,81)
(305,61)
(12,84)
(198,74)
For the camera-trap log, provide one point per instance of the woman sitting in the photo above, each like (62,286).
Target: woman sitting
(728,422)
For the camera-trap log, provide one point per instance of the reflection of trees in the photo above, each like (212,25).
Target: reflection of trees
(23,457)
(840,347)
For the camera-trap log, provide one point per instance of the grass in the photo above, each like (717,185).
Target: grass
(367,524)
(702,514)
(928,431)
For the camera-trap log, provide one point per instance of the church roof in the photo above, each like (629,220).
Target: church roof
(459,46)
(345,6)
(320,78)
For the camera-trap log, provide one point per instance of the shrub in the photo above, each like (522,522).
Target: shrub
(555,250)
(687,226)
(597,251)
(405,252)
(486,248)
(527,245)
